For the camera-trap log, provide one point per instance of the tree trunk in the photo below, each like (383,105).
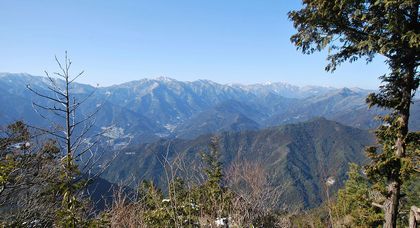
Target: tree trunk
(414,217)
(394,182)
(391,205)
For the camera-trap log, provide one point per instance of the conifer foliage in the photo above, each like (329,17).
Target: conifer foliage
(354,202)
(351,30)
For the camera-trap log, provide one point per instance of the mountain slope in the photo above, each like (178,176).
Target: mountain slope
(344,105)
(299,157)
(227,116)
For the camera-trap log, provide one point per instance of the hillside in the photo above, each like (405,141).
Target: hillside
(300,157)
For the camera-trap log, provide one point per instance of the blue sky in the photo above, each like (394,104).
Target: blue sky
(241,41)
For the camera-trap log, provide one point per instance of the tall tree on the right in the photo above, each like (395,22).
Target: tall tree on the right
(354,29)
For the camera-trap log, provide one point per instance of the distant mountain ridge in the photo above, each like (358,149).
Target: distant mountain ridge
(262,122)
(149,109)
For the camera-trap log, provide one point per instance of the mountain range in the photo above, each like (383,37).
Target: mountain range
(301,135)
(150,109)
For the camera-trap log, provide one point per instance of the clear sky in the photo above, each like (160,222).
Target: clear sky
(227,41)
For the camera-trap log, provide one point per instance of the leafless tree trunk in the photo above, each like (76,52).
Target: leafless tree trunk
(63,104)
(72,131)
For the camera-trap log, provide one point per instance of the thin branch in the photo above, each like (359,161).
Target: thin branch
(48,132)
(52,109)
(47,118)
(85,130)
(79,154)
(53,82)
(378,205)
(56,91)
(59,64)
(86,119)
(42,95)
(75,106)
(80,74)
(61,75)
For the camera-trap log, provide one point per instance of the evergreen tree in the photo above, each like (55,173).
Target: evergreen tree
(28,173)
(353,29)
(213,196)
(354,202)
(213,170)
(16,135)
(201,204)
(178,210)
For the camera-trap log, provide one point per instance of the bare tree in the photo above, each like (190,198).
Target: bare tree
(126,211)
(70,128)
(60,110)
(256,196)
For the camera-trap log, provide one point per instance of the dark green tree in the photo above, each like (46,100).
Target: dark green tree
(212,197)
(214,169)
(354,29)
